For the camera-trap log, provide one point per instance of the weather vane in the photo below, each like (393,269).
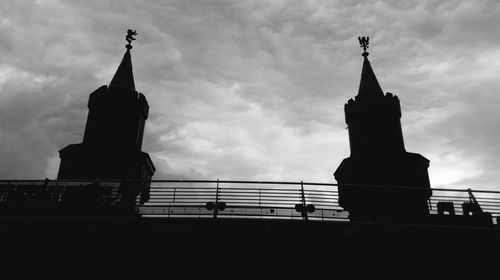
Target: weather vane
(130,38)
(363,43)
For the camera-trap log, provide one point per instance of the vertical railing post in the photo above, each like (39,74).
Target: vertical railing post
(260,207)
(216,208)
(259,198)
(304,210)
(173,198)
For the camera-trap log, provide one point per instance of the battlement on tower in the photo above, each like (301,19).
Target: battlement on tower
(372,106)
(106,93)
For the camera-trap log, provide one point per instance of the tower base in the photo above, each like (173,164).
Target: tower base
(80,162)
(392,188)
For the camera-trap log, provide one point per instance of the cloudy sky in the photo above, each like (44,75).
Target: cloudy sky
(254,90)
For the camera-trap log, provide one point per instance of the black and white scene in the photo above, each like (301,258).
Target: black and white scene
(315,125)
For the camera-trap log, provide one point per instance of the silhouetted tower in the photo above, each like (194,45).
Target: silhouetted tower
(112,142)
(378,158)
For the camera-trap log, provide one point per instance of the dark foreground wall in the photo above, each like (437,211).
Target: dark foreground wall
(147,235)
(241,249)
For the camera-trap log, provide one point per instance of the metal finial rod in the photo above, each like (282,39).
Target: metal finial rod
(130,37)
(363,43)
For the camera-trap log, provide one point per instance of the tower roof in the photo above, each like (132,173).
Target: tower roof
(124,76)
(368,84)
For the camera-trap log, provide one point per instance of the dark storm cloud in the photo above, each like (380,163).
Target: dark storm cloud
(253,89)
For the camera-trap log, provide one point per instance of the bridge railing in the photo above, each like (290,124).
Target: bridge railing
(227,199)
(489,201)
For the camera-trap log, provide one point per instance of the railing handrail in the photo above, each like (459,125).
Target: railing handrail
(298,183)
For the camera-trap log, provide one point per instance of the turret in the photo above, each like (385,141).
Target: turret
(112,142)
(378,157)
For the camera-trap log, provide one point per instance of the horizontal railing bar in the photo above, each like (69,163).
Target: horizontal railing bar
(316,196)
(322,194)
(463,198)
(321,190)
(423,188)
(203,207)
(184,189)
(263,196)
(268,201)
(222,191)
(256,200)
(156,204)
(459,203)
(262,187)
(322,199)
(184,195)
(228,198)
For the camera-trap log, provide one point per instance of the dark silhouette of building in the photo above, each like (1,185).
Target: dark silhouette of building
(65,217)
(379,160)
(111,147)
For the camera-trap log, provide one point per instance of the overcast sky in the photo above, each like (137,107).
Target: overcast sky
(254,90)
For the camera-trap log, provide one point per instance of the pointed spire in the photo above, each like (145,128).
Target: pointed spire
(124,76)
(368,84)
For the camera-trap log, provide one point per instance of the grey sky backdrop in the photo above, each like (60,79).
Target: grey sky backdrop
(254,90)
